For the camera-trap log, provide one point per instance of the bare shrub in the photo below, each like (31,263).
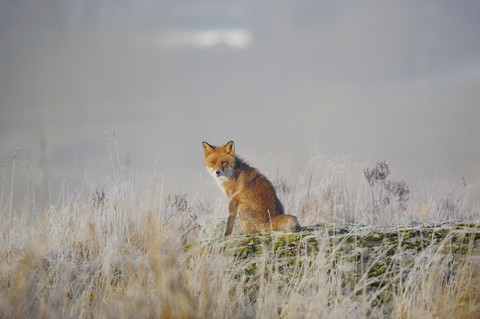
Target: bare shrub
(177,209)
(99,198)
(378,174)
(388,198)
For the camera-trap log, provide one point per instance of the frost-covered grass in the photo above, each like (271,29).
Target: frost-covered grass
(333,190)
(118,252)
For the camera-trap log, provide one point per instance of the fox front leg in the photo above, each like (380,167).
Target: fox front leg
(232,210)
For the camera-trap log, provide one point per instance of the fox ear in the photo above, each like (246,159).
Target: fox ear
(229,148)
(207,148)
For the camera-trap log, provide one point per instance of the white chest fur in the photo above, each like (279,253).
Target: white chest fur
(222,178)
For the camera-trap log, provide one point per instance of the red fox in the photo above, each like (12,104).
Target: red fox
(251,194)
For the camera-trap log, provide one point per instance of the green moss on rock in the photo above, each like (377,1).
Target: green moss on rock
(351,251)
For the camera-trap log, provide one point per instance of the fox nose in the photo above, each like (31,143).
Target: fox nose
(218,173)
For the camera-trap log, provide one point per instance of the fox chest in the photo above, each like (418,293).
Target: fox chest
(230,187)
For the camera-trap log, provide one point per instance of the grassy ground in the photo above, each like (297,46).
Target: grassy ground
(117,252)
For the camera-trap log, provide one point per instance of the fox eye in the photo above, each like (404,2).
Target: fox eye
(224,162)
(212,162)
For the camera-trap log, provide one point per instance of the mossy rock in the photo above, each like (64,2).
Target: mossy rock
(351,250)
(344,237)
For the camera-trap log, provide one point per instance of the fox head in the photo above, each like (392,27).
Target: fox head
(220,160)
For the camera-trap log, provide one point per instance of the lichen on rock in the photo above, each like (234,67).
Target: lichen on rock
(353,253)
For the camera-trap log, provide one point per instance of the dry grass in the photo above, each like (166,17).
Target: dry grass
(116,253)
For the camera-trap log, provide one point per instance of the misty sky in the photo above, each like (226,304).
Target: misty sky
(396,81)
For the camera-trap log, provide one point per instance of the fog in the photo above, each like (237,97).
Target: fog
(286,80)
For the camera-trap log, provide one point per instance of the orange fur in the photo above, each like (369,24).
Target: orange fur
(252,196)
